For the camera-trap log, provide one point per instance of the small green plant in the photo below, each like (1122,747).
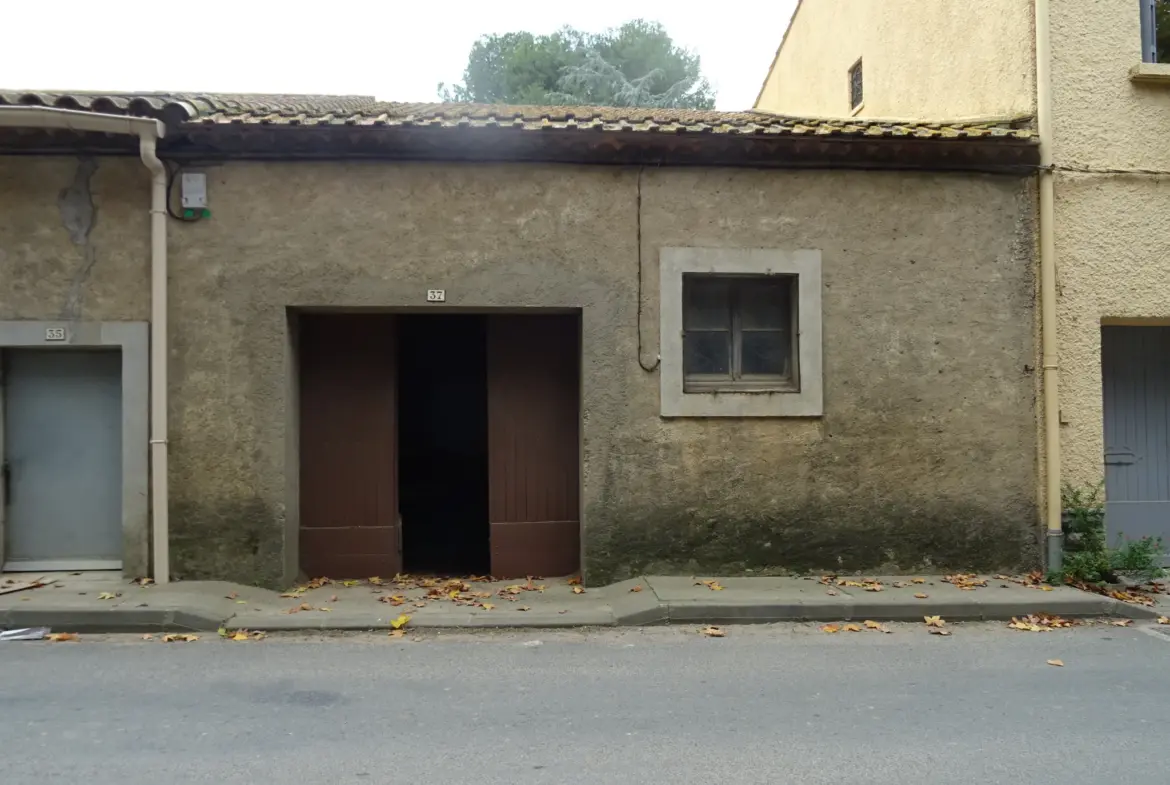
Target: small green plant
(1088,557)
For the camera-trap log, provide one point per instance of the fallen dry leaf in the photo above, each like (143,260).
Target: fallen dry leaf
(143,581)
(325,610)
(179,637)
(578,590)
(934,621)
(487,606)
(937,631)
(1045,588)
(966,581)
(832,592)
(713,632)
(231,596)
(350,583)
(1057,663)
(1122,623)
(830,628)
(873,587)
(400,622)
(852,628)
(523,608)
(64,636)
(397,633)
(713,585)
(420,604)
(921,596)
(294,609)
(107,595)
(918,580)
(637,588)
(1163,620)
(375,580)
(575,581)
(873,625)
(333,598)
(1039,622)
(304,606)
(244,635)
(899,584)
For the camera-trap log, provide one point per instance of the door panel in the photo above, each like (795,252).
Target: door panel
(1135,367)
(63,449)
(348,473)
(533,445)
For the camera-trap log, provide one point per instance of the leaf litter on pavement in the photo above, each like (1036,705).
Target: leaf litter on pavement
(936,625)
(870,625)
(1040,622)
(400,588)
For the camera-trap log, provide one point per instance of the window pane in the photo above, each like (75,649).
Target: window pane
(765,305)
(707,305)
(766,353)
(856,86)
(707,353)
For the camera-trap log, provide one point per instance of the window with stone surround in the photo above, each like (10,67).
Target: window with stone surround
(741,332)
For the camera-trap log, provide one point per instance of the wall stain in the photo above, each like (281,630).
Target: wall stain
(78,216)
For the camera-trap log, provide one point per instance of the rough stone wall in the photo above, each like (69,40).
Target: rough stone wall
(925,456)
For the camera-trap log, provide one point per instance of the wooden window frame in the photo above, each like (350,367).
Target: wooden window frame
(735,380)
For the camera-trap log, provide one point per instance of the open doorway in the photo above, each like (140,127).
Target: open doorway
(443,444)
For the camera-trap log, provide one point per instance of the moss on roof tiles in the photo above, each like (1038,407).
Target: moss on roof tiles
(350,110)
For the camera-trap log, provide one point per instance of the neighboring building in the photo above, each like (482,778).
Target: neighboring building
(521,340)
(1110,110)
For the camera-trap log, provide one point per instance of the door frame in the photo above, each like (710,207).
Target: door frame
(290,572)
(133,339)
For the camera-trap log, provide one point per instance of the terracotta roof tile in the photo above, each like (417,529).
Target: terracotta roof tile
(342,110)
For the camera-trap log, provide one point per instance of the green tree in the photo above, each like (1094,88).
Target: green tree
(637,64)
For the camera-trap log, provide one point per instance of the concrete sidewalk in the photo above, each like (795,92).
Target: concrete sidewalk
(100,602)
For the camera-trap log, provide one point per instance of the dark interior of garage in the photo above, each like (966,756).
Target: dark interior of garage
(442,444)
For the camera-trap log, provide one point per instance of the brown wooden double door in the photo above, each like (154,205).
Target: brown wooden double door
(350,382)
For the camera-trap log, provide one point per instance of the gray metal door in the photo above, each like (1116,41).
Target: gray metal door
(63,455)
(1135,367)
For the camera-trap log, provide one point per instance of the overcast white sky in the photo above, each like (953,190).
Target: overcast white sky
(392,49)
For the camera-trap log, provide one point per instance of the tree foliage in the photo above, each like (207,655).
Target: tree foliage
(637,64)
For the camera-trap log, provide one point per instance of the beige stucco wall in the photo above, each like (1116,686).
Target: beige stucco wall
(1112,231)
(923,59)
(925,456)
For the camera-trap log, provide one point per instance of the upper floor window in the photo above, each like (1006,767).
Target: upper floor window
(1156,31)
(857,86)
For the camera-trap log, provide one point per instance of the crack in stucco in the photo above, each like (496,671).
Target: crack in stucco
(78,216)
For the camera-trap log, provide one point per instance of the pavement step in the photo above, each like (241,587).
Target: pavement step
(204,606)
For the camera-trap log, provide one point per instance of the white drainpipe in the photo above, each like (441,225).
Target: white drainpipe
(1049,344)
(148,132)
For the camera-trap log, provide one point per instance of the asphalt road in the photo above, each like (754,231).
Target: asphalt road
(783,704)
